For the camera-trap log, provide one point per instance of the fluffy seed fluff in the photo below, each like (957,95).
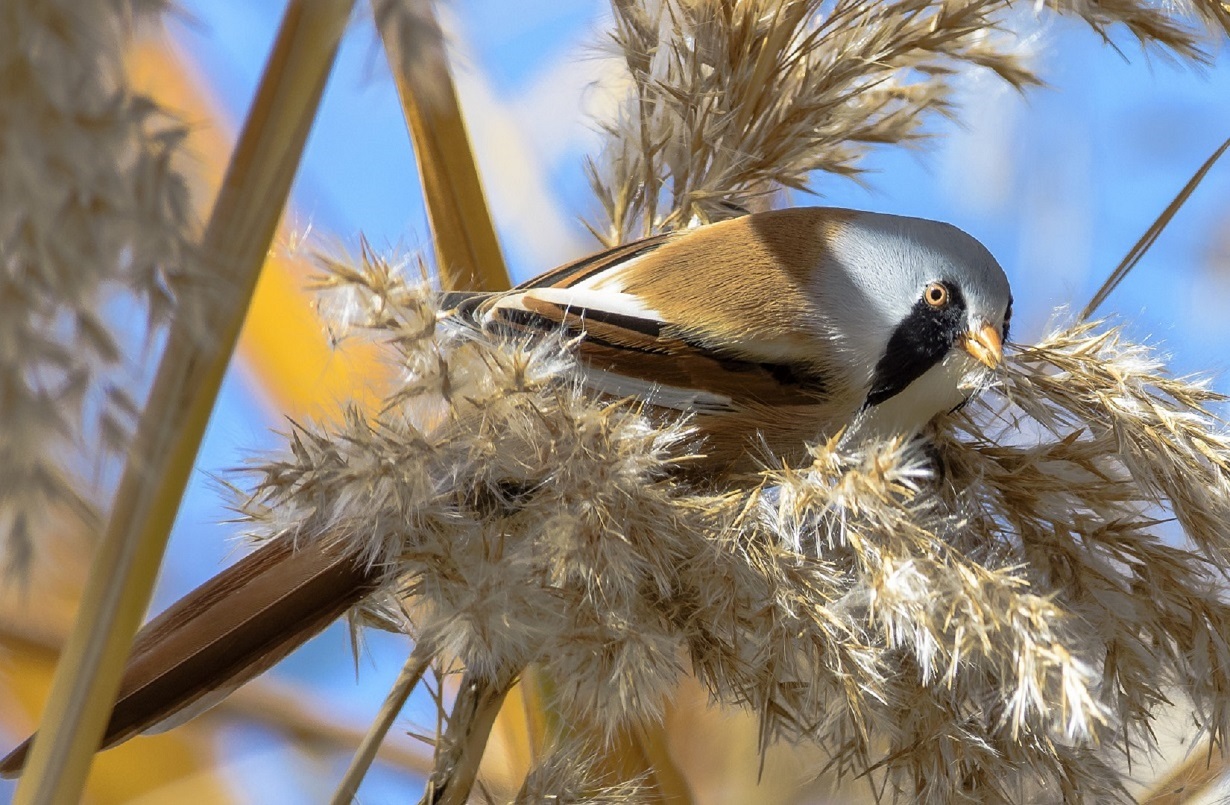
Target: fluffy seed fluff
(731,102)
(89,205)
(989,613)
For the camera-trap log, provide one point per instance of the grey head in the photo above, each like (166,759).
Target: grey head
(917,310)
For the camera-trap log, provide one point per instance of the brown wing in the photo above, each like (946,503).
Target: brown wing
(644,357)
(720,322)
(643,344)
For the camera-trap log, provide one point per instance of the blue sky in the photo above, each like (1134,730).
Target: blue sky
(1058,184)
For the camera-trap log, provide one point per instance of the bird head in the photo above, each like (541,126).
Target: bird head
(919,311)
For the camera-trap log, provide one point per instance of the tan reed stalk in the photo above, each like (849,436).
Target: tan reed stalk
(407,680)
(467,250)
(281,707)
(1189,780)
(189,375)
(668,779)
(1151,234)
(540,721)
(477,704)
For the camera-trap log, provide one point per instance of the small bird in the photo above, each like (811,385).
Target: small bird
(770,330)
(777,327)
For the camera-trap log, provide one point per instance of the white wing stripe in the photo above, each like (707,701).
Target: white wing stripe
(610,279)
(579,301)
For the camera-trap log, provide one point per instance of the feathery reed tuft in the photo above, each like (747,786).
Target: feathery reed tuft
(731,102)
(91,205)
(989,613)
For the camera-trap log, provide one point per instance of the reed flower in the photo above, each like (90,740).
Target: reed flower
(987,613)
(731,102)
(91,206)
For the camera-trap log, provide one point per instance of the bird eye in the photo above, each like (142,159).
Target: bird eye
(936,294)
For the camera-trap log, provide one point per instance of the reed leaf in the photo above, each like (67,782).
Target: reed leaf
(467,250)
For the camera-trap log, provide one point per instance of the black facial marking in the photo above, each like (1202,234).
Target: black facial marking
(918,343)
(1007,318)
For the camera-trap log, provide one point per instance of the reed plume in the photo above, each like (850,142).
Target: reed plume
(989,613)
(93,207)
(995,612)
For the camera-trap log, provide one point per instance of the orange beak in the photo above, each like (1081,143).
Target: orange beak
(985,345)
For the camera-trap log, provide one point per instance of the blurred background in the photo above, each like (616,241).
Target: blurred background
(1058,184)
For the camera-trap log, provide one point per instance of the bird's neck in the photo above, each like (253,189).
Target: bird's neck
(941,388)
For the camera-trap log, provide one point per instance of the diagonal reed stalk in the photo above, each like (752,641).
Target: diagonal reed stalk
(477,704)
(467,250)
(189,375)
(1151,234)
(1188,780)
(407,681)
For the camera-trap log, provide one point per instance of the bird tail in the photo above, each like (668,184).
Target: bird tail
(225,632)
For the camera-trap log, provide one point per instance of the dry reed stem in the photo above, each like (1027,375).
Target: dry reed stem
(1189,780)
(464,741)
(407,681)
(1151,235)
(662,777)
(190,373)
(467,249)
(537,722)
(280,707)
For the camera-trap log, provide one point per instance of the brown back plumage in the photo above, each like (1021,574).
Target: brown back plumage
(768,379)
(743,277)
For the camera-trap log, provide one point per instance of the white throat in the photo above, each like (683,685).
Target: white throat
(941,388)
